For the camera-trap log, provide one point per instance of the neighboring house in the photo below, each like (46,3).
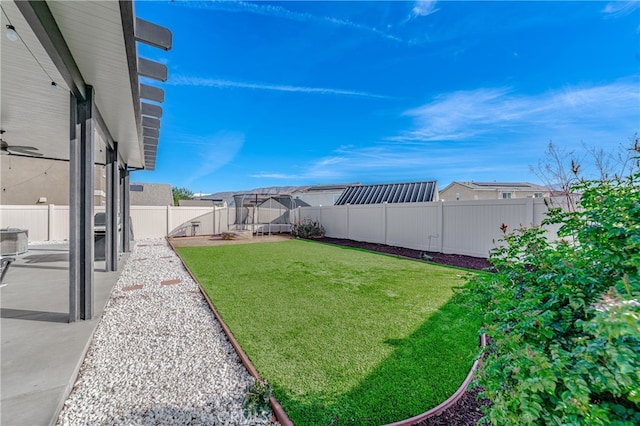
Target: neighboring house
(151,194)
(31,180)
(411,192)
(492,191)
(321,195)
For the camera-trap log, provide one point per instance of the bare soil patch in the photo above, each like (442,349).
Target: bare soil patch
(216,240)
(458,260)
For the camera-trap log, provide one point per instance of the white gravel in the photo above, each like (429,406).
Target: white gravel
(158,355)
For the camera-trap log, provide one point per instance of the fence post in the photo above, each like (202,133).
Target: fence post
(384,222)
(348,236)
(52,222)
(440,219)
(529,212)
(169,219)
(214,219)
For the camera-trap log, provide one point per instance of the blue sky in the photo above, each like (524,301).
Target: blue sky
(301,93)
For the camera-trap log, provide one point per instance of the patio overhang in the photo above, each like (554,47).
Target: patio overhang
(71,91)
(63,47)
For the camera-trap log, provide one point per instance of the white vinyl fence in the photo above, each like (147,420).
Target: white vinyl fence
(51,222)
(461,227)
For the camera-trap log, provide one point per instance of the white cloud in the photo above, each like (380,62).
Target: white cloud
(180,80)
(424,8)
(485,134)
(213,152)
(281,176)
(283,13)
(466,114)
(621,8)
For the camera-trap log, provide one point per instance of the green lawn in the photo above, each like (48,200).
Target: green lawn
(343,336)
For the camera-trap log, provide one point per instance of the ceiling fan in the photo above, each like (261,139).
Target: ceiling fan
(6,149)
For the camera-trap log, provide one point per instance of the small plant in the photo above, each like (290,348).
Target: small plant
(257,399)
(307,228)
(425,256)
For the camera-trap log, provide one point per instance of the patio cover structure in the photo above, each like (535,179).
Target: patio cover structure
(71,92)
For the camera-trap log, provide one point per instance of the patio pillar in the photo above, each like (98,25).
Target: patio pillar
(81,239)
(125,213)
(111,211)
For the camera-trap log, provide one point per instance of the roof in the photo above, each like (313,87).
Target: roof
(297,202)
(412,192)
(249,200)
(329,187)
(492,186)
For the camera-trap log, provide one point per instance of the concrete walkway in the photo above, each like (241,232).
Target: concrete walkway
(41,352)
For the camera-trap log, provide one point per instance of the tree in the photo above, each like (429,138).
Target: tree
(181,194)
(561,169)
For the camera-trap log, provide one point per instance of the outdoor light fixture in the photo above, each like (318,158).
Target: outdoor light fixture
(54,85)
(11,33)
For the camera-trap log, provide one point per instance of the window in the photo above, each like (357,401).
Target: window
(136,188)
(506,195)
(537,195)
(457,195)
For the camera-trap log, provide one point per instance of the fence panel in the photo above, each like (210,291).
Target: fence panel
(413,226)
(181,219)
(149,221)
(335,221)
(33,218)
(366,223)
(59,223)
(473,227)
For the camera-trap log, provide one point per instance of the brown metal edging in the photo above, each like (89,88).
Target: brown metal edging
(277,409)
(449,402)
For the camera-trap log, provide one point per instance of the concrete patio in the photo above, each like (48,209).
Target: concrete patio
(41,351)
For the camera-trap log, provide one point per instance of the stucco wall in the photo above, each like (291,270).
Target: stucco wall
(152,194)
(25,181)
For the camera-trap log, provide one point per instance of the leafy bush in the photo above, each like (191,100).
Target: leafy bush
(307,228)
(565,315)
(257,398)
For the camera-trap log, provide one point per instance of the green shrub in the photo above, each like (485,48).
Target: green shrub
(565,316)
(257,398)
(307,228)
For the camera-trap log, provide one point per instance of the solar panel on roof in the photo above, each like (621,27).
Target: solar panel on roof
(412,192)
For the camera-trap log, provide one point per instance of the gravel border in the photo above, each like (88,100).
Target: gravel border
(158,355)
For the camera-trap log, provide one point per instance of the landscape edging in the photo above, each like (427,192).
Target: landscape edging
(449,402)
(277,409)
